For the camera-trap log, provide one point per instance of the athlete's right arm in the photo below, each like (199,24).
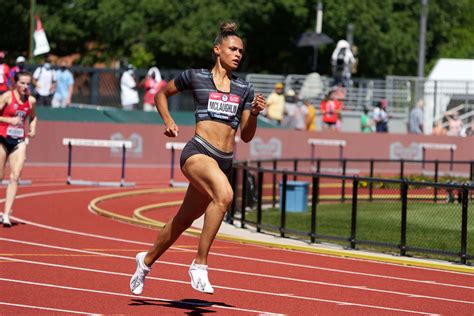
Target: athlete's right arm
(161,104)
(4,100)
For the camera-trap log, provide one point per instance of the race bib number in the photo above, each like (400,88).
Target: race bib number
(223,106)
(15,132)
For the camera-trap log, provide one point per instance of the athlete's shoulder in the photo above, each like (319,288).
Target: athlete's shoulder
(241,82)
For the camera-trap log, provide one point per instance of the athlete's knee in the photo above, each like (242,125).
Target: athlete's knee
(14,177)
(224,197)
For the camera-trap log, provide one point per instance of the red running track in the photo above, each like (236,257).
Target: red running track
(61,258)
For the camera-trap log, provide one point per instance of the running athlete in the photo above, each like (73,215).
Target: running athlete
(223,102)
(15,107)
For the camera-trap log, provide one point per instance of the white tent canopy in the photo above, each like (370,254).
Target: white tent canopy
(448,78)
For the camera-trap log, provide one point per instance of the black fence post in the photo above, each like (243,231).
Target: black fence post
(274,183)
(343,186)
(314,203)
(233,182)
(318,166)
(283,205)
(355,186)
(371,184)
(436,173)
(402,169)
(244,195)
(295,168)
(403,225)
(259,203)
(465,198)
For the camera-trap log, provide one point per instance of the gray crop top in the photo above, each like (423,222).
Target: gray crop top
(212,104)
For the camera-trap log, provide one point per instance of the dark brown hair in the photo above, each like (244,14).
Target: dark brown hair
(22,73)
(226,29)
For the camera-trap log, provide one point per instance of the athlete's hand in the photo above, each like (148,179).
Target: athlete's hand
(258,104)
(171,129)
(32,133)
(16,120)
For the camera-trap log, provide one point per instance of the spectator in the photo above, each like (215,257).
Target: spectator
(438,129)
(292,115)
(381,117)
(276,104)
(415,123)
(342,60)
(330,109)
(4,74)
(153,84)
(469,130)
(20,66)
(310,119)
(366,124)
(64,87)
(128,89)
(44,81)
(454,123)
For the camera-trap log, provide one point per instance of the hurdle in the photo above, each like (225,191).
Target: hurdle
(437,146)
(124,144)
(173,146)
(21,181)
(327,142)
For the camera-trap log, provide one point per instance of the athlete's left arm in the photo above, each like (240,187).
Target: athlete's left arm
(248,123)
(33,117)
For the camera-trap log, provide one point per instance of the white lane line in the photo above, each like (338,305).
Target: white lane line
(283,263)
(193,304)
(362,288)
(35,194)
(46,308)
(212,305)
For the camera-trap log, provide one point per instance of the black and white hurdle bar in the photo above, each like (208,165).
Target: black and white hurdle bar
(327,142)
(124,144)
(437,146)
(173,146)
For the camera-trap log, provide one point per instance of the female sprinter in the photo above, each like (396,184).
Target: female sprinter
(223,101)
(15,107)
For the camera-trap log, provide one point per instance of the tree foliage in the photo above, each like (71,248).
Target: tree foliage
(179,34)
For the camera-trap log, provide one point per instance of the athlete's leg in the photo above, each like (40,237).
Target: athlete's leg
(194,205)
(3,160)
(16,161)
(204,173)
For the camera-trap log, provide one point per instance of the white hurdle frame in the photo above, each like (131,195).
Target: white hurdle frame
(437,146)
(173,146)
(124,144)
(327,142)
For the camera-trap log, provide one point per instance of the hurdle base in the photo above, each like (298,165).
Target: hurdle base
(101,183)
(177,184)
(21,182)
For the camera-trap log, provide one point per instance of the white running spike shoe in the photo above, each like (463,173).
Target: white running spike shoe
(138,280)
(199,279)
(6,221)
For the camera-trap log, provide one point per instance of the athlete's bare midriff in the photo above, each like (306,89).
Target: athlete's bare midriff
(217,134)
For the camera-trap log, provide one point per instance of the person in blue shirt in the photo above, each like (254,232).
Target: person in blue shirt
(64,87)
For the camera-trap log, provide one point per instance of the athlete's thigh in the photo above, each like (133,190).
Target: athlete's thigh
(194,204)
(17,158)
(204,173)
(3,157)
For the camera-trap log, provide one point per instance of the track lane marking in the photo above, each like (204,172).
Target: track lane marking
(46,308)
(135,297)
(363,288)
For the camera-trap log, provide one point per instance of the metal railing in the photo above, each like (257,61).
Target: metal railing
(441,208)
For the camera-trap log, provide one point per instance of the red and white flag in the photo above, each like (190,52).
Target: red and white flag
(41,41)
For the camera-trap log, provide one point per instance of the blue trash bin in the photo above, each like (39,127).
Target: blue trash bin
(296,196)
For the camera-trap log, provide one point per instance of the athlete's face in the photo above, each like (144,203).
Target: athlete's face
(23,84)
(230,52)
